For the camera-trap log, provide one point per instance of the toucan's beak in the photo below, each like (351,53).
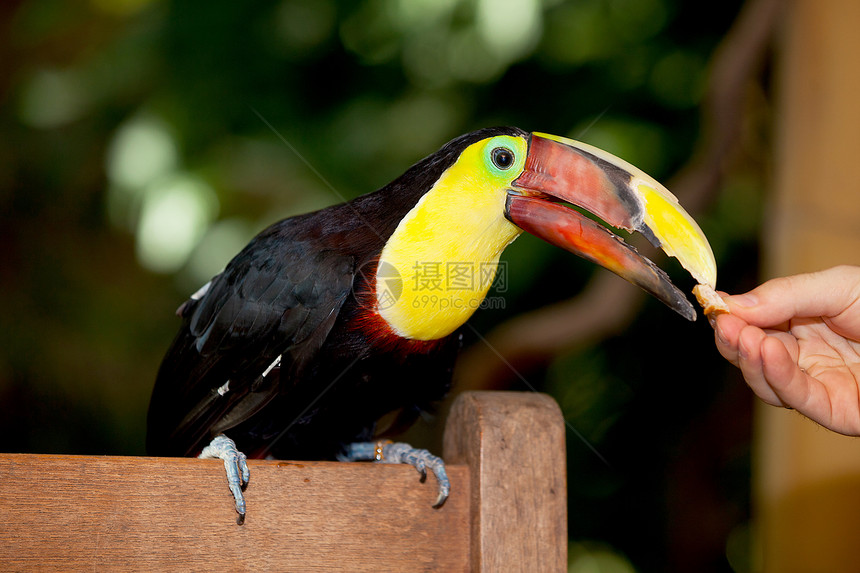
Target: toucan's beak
(560,169)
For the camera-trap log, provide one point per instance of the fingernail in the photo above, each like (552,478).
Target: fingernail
(720,336)
(743,350)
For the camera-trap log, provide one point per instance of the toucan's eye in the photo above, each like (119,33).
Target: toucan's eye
(503,157)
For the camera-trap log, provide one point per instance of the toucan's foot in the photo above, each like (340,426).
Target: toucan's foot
(236,464)
(388,452)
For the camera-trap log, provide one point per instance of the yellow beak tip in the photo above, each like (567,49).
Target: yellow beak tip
(680,236)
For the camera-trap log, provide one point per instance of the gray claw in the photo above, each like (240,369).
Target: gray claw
(236,465)
(401,453)
(421,460)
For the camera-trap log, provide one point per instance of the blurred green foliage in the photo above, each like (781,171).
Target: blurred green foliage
(143,142)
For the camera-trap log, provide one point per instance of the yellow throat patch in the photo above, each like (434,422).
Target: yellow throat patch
(437,266)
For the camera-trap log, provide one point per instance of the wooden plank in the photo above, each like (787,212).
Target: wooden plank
(67,513)
(514,446)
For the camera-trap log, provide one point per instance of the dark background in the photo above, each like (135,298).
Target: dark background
(142,143)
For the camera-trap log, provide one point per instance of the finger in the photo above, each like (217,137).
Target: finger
(826,293)
(792,385)
(727,328)
(782,372)
(750,341)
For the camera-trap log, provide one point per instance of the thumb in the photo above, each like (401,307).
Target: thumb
(832,293)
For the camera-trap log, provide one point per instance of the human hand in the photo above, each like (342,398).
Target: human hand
(796,340)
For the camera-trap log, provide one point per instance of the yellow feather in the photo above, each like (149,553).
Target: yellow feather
(446,249)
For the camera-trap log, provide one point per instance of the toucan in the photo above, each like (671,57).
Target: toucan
(329,321)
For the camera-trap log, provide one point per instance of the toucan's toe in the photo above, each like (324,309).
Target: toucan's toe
(236,465)
(388,452)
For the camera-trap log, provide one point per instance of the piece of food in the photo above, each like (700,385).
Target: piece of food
(710,301)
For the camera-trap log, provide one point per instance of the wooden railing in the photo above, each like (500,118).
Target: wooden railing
(507,510)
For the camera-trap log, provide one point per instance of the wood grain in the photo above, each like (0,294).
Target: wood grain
(68,513)
(514,446)
(506,512)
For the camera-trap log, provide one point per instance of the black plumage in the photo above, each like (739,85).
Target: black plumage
(302,290)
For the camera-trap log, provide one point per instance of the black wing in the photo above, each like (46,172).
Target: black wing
(272,307)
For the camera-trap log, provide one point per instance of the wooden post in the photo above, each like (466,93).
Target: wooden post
(513,444)
(807,479)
